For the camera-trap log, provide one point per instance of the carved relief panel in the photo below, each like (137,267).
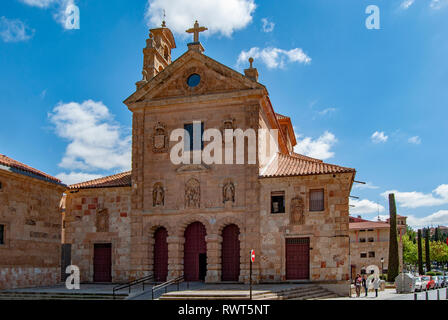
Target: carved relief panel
(297,211)
(192,194)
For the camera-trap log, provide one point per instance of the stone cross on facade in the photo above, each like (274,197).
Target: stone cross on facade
(196,31)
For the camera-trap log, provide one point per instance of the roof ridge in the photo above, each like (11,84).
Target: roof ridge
(12,163)
(107,181)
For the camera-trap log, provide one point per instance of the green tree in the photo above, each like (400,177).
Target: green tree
(410,252)
(411,234)
(427,251)
(420,253)
(394,264)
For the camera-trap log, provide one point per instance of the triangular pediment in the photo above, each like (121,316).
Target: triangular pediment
(172,82)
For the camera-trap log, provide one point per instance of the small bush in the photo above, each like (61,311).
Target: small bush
(439,273)
(430,273)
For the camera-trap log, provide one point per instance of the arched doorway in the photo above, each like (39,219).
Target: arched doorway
(160,255)
(195,252)
(230,253)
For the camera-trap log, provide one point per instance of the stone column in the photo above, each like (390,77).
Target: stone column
(175,257)
(214,242)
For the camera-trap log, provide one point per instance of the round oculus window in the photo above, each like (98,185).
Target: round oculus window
(194,80)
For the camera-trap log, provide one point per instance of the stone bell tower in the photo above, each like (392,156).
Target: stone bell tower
(157,54)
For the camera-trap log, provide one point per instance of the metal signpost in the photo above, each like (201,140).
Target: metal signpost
(252,260)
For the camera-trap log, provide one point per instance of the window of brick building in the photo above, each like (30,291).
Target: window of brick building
(278,202)
(317,200)
(363,255)
(362,239)
(2,234)
(371,239)
(372,254)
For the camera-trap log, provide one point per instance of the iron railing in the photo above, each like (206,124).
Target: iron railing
(165,285)
(132,283)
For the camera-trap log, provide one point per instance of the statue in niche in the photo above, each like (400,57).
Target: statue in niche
(228,192)
(102,221)
(160,139)
(297,211)
(192,194)
(158,195)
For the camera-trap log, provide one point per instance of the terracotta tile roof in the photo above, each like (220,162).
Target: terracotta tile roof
(23,168)
(356,219)
(280,116)
(368,225)
(117,180)
(298,165)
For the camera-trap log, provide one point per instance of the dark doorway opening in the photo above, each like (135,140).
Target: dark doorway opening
(230,253)
(202,266)
(102,262)
(160,255)
(195,252)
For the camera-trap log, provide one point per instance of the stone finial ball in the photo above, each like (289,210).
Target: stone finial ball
(251,60)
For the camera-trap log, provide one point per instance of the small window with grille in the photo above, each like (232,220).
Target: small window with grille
(371,239)
(363,255)
(362,239)
(278,202)
(317,200)
(372,254)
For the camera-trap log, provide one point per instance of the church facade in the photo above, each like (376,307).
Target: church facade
(200,220)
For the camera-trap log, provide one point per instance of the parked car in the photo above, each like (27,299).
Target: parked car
(419,285)
(445,281)
(440,281)
(436,281)
(431,284)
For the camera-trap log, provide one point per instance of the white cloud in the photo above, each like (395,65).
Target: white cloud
(39,3)
(60,7)
(406,4)
(76,177)
(415,140)
(219,16)
(414,199)
(96,142)
(368,185)
(364,206)
(437,218)
(274,57)
(438,4)
(319,148)
(327,111)
(379,137)
(14,30)
(268,26)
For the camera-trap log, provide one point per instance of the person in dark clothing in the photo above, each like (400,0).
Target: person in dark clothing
(358,282)
(364,284)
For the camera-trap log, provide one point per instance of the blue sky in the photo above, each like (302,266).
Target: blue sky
(375,100)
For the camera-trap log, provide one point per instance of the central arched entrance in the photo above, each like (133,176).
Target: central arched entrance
(160,255)
(230,253)
(195,252)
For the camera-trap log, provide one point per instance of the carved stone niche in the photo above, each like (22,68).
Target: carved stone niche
(228,192)
(160,139)
(158,195)
(102,221)
(297,211)
(192,194)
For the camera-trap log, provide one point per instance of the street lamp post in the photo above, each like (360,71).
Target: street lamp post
(382,265)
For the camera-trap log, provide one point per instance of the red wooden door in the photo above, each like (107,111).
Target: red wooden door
(160,255)
(102,262)
(298,259)
(230,253)
(194,247)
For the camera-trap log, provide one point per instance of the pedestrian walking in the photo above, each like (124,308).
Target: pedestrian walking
(364,284)
(376,285)
(358,283)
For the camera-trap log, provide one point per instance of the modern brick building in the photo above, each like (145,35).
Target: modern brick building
(30,226)
(201,220)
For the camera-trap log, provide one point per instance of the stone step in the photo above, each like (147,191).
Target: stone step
(299,293)
(58,296)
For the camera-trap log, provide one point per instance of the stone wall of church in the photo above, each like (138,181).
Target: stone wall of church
(97,216)
(152,168)
(327,230)
(31,216)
